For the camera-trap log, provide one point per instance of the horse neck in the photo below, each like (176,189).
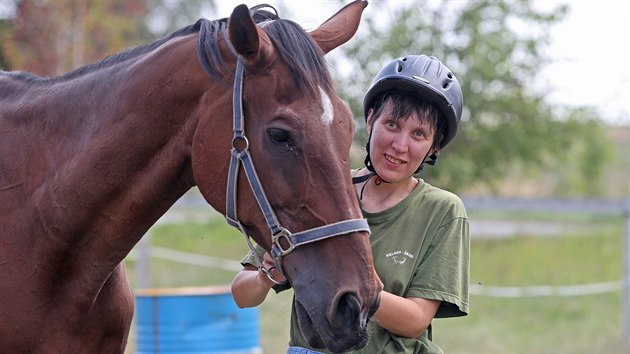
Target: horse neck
(126,159)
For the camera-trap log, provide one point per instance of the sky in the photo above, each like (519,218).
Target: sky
(590,46)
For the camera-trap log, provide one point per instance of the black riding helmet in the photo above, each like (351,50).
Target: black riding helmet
(424,77)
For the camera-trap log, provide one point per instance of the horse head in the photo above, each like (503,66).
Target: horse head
(297,133)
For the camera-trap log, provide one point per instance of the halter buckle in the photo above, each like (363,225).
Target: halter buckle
(283,235)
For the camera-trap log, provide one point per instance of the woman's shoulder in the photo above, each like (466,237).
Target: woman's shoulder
(442,198)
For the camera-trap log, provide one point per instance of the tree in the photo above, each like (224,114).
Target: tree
(496,49)
(4,25)
(49,37)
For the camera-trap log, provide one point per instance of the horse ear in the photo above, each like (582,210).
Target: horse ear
(338,29)
(251,43)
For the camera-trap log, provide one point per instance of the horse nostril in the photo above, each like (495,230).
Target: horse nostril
(347,312)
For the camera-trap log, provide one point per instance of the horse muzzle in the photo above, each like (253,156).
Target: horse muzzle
(344,327)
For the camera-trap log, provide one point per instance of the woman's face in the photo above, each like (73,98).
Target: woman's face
(398,146)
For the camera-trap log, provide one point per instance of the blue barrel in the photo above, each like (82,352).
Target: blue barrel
(194,320)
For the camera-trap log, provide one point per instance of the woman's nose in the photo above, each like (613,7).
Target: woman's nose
(400,143)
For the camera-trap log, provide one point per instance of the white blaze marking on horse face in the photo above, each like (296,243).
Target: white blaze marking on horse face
(327,116)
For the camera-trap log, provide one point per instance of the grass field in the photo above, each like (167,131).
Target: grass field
(577,324)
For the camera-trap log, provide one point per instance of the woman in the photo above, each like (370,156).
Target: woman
(420,236)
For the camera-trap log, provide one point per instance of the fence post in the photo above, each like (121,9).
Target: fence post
(626,293)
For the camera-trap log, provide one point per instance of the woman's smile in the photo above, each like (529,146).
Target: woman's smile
(394,160)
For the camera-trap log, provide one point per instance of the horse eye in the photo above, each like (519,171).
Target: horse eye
(280,137)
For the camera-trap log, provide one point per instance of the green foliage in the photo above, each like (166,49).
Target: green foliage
(49,37)
(582,324)
(497,50)
(4,64)
(516,261)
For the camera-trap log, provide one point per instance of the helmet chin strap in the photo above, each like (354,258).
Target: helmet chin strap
(429,160)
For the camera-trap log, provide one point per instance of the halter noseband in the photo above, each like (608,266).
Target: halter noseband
(282,240)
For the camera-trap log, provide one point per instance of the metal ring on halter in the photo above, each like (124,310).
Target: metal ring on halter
(243,138)
(271,276)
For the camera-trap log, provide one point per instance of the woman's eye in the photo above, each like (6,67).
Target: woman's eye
(281,137)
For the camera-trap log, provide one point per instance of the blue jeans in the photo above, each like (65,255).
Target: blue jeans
(300,350)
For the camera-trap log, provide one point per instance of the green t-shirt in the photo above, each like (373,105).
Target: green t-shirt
(421,248)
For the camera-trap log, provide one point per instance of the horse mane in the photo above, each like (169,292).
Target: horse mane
(130,53)
(295,47)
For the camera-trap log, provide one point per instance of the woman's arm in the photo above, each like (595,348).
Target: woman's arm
(406,317)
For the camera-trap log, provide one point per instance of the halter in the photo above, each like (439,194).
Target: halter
(283,241)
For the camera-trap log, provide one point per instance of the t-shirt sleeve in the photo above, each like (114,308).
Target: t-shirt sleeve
(443,273)
(251,259)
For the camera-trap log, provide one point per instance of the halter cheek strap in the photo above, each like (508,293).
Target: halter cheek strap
(282,240)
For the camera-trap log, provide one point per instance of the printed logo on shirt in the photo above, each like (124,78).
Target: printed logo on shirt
(399,257)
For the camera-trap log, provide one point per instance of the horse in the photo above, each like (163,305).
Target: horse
(90,160)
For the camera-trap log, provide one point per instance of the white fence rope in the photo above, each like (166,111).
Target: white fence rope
(191,258)
(545,290)
(475,289)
